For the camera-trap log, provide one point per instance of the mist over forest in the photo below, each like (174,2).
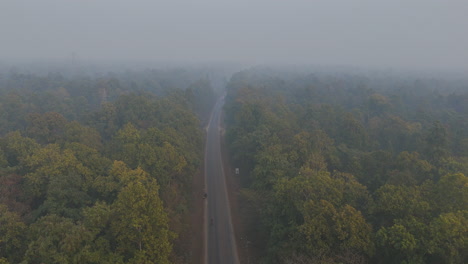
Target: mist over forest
(414,34)
(257,131)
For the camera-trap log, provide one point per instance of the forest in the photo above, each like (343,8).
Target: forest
(98,168)
(336,166)
(233,132)
(349,167)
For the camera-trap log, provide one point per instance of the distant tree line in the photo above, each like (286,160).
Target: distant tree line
(99,169)
(343,168)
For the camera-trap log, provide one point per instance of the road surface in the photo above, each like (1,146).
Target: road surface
(220,246)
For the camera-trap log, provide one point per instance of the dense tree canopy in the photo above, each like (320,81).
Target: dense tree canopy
(343,168)
(336,167)
(99,169)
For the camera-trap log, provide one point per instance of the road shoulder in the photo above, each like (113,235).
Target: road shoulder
(233,187)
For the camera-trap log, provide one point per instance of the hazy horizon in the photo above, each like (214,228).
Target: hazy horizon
(399,34)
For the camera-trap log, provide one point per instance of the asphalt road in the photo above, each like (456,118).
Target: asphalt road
(220,245)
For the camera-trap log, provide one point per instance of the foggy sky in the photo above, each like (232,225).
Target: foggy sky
(396,33)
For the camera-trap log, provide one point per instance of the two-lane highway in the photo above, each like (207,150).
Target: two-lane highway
(220,243)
